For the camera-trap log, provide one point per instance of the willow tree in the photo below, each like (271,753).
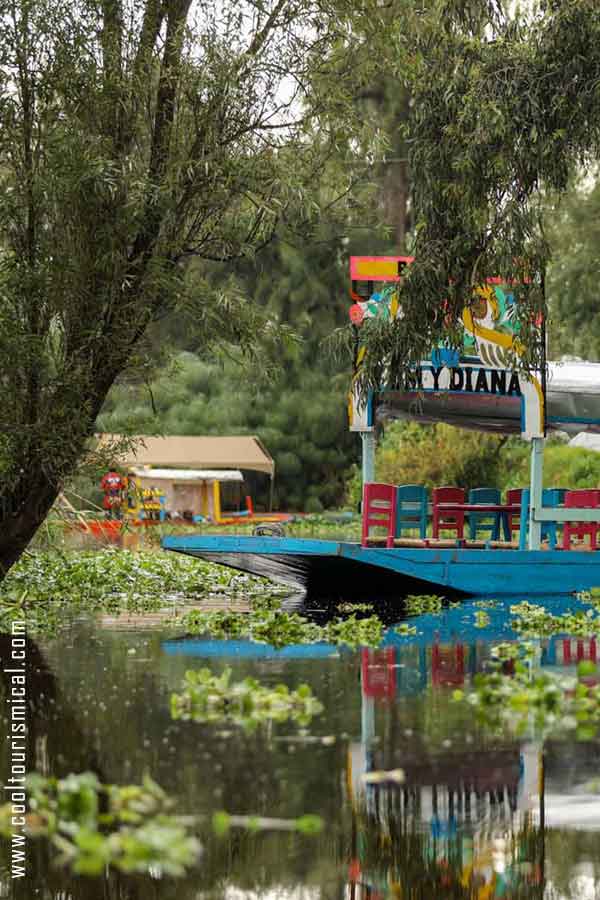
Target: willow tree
(503,107)
(134,138)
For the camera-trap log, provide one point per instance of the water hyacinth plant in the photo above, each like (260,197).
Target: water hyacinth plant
(47,588)
(419,604)
(533,621)
(279,629)
(405,629)
(517,697)
(92,825)
(214,698)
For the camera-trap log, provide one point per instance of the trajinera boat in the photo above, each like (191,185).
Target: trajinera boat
(473,388)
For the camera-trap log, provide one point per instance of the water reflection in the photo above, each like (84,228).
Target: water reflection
(476,817)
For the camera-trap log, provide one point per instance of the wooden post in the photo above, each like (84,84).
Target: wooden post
(216,502)
(368,456)
(535,492)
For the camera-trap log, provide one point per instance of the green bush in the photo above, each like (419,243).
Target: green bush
(440,454)
(564,466)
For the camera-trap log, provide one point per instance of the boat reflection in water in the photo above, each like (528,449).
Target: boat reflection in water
(465,822)
(476,822)
(435,806)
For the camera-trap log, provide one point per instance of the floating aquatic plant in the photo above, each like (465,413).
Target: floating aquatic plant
(214,698)
(354,607)
(405,629)
(482,619)
(541,702)
(534,621)
(131,828)
(92,825)
(46,588)
(355,632)
(279,629)
(418,604)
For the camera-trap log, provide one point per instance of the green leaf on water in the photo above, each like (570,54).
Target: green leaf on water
(221,823)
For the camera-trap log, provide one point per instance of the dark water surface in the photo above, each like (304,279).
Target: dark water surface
(477,817)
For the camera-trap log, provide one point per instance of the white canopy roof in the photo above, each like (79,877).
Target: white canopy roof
(188,474)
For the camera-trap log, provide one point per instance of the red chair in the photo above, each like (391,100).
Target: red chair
(447,664)
(444,520)
(581,500)
(378,673)
(379,510)
(513,497)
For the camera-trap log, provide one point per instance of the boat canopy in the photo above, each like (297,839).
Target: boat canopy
(188,474)
(474,385)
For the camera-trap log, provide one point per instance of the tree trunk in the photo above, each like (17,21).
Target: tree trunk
(18,528)
(25,508)
(395,201)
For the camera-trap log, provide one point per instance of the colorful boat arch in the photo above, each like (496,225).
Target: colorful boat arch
(481,367)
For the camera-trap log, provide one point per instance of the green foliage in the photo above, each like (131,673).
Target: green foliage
(144,145)
(493,117)
(482,619)
(533,621)
(436,455)
(131,828)
(273,627)
(564,466)
(46,589)
(419,604)
(210,698)
(536,701)
(279,629)
(405,629)
(354,607)
(573,275)
(572,467)
(353,632)
(91,826)
(440,454)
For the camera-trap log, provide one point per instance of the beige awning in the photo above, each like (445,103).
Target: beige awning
(188,452)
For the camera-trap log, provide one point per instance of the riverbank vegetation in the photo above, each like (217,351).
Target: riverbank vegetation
(47,589)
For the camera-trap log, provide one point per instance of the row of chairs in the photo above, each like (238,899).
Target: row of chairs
(406,508)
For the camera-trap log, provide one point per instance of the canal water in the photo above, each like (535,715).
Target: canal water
(467,816)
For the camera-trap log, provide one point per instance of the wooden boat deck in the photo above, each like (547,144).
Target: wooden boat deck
(348,570)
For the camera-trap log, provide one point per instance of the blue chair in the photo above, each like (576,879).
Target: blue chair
(550,497)
(481,521)
(411,509)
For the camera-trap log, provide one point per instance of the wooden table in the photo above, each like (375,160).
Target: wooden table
(504,509)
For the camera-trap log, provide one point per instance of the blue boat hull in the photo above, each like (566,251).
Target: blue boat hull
(339,569)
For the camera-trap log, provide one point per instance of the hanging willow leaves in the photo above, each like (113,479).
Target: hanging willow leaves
(501,108)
